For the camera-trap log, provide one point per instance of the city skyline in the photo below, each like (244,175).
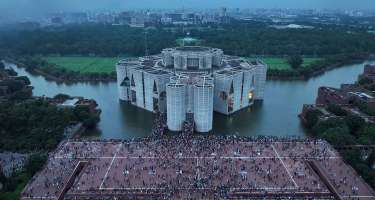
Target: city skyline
(37,8)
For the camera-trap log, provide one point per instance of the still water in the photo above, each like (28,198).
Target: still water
(276,115)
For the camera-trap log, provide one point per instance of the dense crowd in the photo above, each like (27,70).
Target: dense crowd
(159,125)
(11,162)
(198,167)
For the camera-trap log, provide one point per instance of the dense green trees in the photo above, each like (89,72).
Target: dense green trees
(295,61)
(35,163)
(317,67)
(29,125)
(312,118)
(371,158)
(334,43)
(354,157)
(90,40)
(16,87)
(354,123)
(366,109)
(62,97)
(238,38)
(36,125)
(25,79)
(260,39)
(14,184)
(366,135)
(13,85)
(336,110)
(365,81)
(347,130)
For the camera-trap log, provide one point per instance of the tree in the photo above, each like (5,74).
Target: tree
(336,110)
(3,178)
(34,163)
(25,79)
(11,72)
(338,136)
(295,61)
(371,159)
(312,118)
(354,123)
(2,66)
(367,135)
(13,85)
(91,122)
(61,96)
(365,81)
(323,126)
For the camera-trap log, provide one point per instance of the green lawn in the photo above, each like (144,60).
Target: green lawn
(281,63)
(107,65)
(85,64)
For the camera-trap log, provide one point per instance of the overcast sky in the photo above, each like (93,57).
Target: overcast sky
(17,8)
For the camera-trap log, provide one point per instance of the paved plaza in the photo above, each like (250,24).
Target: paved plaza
(197,167)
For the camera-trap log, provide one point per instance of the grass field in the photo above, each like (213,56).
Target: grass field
(107,65)
(281,63)
(85,64)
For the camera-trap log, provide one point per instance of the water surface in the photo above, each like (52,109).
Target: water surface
(276,115)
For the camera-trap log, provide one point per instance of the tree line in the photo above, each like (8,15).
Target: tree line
(346,129)
(238,38)
(33,126)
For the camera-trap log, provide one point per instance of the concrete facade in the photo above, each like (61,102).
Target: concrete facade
(191,80)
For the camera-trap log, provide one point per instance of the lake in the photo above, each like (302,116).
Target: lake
(275,116)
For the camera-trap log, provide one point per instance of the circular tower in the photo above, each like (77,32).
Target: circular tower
(203,105)
(122,81)
(176,105)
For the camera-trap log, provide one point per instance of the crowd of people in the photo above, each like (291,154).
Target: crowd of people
(49,183)
(198,166)
(160,125)
(188,126)
(11,162)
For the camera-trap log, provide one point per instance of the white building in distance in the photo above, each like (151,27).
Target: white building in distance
(191,80)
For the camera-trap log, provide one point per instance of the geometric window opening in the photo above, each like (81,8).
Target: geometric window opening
(155,89)
(132,82)
(231,91)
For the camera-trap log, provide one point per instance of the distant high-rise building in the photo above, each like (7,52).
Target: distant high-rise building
(137,21)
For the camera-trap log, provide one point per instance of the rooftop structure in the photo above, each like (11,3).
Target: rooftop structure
(198,167)
(348,94)
(368,73)
(191,80)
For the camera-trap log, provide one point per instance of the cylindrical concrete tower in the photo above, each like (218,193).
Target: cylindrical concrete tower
(121,75)
(189,98)
(217,57)
(167,57)
(260,80)
(203,106)
(176,106)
